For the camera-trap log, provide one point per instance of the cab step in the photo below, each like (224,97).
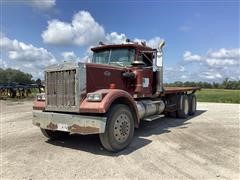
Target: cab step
(154,117)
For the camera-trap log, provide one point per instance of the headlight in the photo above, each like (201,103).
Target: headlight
(41,97)
(94,97)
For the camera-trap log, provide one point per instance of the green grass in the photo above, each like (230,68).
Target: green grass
(219,96)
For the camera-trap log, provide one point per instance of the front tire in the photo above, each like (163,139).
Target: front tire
(183,106)
(119,129)
(54,135)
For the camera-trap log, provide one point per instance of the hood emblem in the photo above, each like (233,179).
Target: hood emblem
(107,73)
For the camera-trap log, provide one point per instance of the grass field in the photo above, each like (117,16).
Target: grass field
(219,95)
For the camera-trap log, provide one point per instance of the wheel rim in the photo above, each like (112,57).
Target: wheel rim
(186,106)
(121,128)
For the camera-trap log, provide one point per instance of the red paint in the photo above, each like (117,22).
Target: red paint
(100,76)
(38,105)
(138,83)
(112,86)
(110,95)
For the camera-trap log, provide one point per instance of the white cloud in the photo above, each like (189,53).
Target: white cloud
(181,68)
(214,65)
(115,38)
(69,56)
(41,4)
(29,65)
(223,57)
(217,58)
(26,57)
(184,77)
(82,31)
(153,42)
(211,75)
(224,54)
(175,73)
(58,33)
(221,62)
(25,52)
(188,56)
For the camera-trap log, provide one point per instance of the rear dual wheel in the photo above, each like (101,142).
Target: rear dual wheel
(192,104)
(183,106)
(187,105)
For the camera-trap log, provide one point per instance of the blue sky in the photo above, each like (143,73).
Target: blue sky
(202,38)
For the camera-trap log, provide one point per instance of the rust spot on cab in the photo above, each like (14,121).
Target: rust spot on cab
(83,130)
(52,126)
(38,124)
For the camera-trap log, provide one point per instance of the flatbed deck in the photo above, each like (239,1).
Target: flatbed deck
(170,90)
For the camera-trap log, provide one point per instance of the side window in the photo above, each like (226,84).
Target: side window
(147,58)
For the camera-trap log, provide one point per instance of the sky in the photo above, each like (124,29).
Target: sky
(202,37)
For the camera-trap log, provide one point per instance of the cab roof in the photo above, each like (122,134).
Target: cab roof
(129,45)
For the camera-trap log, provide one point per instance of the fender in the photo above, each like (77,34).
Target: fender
(109,97)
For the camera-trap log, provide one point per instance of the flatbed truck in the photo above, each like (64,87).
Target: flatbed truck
(110,96)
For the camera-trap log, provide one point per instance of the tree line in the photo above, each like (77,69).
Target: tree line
(226,84)
(12,75)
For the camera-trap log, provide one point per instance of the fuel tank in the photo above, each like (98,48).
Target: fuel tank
(148,108)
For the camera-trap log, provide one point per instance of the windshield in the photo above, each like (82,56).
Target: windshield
(119,57)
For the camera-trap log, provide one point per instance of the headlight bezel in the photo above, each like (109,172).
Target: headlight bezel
(41,97)
(94,97)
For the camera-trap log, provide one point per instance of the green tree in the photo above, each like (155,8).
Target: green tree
(12,75)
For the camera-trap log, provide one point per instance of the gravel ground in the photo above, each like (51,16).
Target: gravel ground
(205,146)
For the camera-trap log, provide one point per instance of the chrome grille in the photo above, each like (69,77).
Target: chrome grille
(64,85)
(61,88)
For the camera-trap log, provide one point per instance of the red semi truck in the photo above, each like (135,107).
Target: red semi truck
(122,86)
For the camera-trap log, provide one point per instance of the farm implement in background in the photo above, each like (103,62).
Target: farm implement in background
(19,90)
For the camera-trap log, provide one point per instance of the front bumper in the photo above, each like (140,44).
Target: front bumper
(73,123)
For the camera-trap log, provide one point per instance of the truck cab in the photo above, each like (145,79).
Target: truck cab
(128,67)
(110,96)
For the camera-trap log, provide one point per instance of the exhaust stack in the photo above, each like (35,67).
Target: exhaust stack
(159,67)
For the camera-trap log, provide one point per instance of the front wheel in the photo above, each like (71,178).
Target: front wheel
(119,129)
